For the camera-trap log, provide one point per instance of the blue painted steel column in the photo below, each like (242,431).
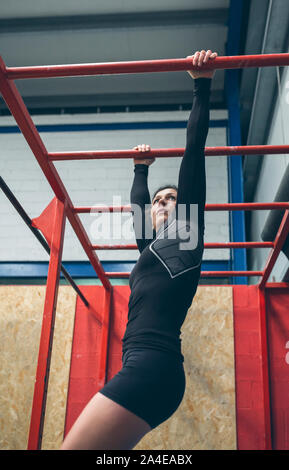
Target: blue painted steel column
(235,170)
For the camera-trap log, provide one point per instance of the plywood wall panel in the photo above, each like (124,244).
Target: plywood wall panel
(206,417)
(21,310)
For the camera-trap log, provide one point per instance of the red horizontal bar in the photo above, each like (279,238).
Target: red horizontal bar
(114,247)
(203,274)
(87,210)
(230,273)
(143,66)
(206,246)
(167,153)
(250,206)
(101,154)
(248,150)
(277,285)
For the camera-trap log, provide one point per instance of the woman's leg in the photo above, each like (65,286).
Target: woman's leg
(105,425)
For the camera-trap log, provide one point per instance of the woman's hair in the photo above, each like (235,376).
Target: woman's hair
(164,187)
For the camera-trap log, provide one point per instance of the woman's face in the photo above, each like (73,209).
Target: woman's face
(163,204)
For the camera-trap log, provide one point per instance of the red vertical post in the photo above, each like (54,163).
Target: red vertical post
(253,414)
(265,369)
(46,338)
(106,323)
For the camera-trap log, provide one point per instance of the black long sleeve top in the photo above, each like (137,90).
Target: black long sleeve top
(159,302)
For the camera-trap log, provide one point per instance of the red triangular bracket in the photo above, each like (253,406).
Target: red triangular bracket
(44,222)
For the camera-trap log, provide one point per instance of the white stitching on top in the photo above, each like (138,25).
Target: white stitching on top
(168,269)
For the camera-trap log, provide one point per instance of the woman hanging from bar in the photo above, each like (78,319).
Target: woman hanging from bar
(151,384)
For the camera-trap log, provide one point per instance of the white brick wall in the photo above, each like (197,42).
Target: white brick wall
(271,174)
(96,182)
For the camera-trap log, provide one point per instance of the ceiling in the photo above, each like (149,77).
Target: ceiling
(61,32)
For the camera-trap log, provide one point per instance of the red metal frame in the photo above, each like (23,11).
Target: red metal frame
(64,206)
(143,66)
(265,369)
(104,339)
(45,346)
(18,109)
(167,153)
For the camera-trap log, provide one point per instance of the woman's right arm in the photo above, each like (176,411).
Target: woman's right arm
(140,197)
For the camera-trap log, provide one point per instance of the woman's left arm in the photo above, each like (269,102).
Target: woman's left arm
(192,174)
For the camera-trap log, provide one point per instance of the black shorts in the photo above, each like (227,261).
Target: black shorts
(151,384)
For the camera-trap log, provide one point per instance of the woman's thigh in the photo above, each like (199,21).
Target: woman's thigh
(106,425)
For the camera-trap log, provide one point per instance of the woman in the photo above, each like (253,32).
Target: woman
(151,384)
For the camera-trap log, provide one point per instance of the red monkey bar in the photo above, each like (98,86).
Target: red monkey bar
(64,207)
(166,153)
(145,66)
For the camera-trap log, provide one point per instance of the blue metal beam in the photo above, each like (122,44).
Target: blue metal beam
(81,269)
(110,126)
(235,171)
